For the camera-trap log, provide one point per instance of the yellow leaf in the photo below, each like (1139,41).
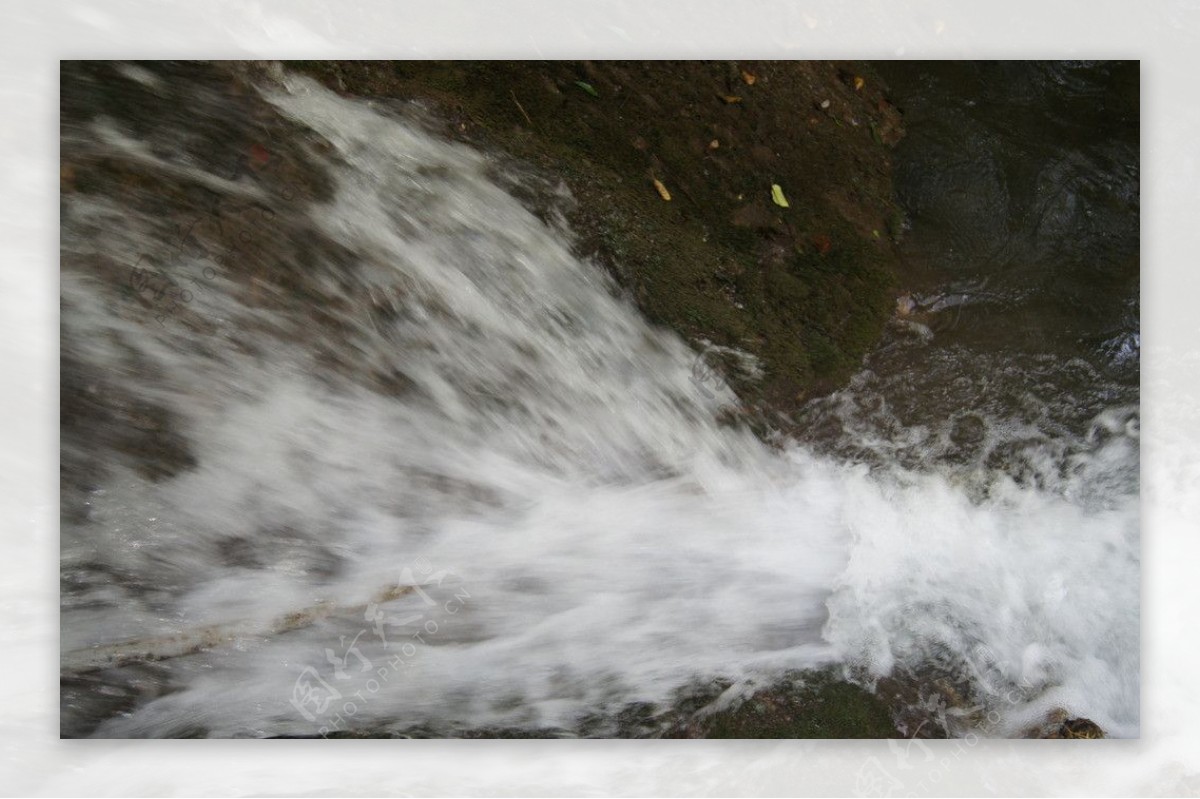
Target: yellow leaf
(662,190)
(858,83)
(777,196)
(749,77)
(730,99)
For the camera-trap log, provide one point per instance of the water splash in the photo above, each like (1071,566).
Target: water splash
(495,496)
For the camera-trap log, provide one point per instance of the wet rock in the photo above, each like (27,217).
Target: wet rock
(1059,724)
(810,705)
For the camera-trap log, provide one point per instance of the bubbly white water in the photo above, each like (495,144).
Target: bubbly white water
(581,531)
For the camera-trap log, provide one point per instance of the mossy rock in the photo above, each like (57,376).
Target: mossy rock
(809,705)
(807,289)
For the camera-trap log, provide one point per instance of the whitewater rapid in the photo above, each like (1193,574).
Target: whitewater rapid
(543,520)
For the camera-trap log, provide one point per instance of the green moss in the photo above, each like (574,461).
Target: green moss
(815,705)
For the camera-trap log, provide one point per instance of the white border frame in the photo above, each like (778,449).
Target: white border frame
(36,35)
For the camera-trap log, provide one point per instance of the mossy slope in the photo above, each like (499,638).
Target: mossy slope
(806,288)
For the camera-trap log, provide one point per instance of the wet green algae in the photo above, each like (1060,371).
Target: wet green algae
(814,704)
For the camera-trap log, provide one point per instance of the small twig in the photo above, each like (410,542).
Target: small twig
(521,108)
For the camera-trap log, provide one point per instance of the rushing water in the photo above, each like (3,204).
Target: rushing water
(536,519)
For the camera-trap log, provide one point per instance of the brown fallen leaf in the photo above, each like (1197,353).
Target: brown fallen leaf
(749,77)
(730,99)
(662,190)
(714,144)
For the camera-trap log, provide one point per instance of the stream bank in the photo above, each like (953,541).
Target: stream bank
(805,289)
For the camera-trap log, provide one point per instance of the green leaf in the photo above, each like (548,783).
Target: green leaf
(587,87)
(777,196)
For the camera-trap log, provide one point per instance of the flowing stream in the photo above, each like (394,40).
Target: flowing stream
(534,518)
